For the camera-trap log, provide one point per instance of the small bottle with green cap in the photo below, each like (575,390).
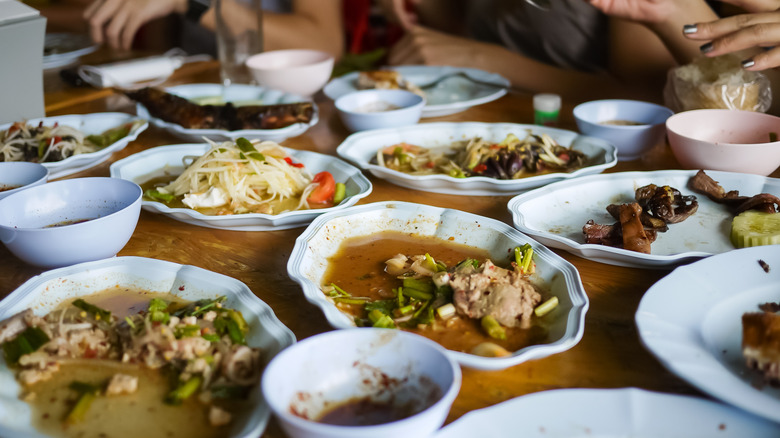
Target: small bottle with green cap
(546,109)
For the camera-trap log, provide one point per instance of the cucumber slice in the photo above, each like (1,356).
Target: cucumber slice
(755,228)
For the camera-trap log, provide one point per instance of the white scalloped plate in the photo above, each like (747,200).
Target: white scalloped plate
(44,292)
(236,92)
(143,166)
(450,96)
(624,412)
(95,123)
(691,320)
(309,260)
(360,148)
(555,215)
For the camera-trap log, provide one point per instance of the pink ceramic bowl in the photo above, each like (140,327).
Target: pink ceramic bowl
(297,71)
(728,140)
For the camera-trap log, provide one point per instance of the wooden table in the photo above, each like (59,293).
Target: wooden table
(609,355)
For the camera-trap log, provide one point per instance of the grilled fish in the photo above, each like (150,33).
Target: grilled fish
(178,110)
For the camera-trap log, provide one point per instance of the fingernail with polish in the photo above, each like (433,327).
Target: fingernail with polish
(748,63)
(706,48)
(690,28)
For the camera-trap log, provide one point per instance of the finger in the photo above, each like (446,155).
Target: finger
(90,10)
(755,5)
(725,26)
(115,27)
(101,17)
(763,61)
(134,22)
(760,35)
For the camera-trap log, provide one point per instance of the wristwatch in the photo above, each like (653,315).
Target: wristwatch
(196,9)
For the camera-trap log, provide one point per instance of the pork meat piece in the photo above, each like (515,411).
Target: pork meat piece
(494,291)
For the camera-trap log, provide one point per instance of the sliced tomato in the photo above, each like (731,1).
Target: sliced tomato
(479,168)
(324,192)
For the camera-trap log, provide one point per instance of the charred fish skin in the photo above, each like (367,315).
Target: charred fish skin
(175,109)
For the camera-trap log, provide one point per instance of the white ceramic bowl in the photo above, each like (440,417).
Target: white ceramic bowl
(329,369)
(28,218)
(296,71)
(17,176)
(376,109)
(722,139)
(632,141)
(322,239)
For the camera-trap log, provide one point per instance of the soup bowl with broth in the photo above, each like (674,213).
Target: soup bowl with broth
(634,127)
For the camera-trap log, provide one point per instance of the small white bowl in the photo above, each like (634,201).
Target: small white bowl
(297,71)
(632,141)
(17,176)
(40,225)
(326,370)
(728,140)
(376,109)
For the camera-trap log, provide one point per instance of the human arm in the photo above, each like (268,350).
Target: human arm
(425,46)
(312,24)
(665,18)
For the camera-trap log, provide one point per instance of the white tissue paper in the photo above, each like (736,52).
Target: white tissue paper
(128,74)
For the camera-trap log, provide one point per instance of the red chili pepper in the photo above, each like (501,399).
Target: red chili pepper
(289,161)
(429,165)
(57,139)
(479,168)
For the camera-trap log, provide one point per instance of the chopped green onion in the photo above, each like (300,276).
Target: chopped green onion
(187,331)
(184,391)
(425,286)
(446,311)
(492,327)
(417,294)
(96,311)
(129,322)
(87,394)
(546,307)
(211,337)
(351,300)
(380,320)
(28,341)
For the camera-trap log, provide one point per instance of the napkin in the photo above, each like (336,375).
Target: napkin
(138,72)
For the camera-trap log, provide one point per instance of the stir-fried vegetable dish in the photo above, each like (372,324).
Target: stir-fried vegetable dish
(512,158)
(200,347)
(247,177)
(41,144)
(423,294)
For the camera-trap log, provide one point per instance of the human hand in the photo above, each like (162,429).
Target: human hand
(400,11)
(755,5)
(741,32)
(421,45)
(117,21)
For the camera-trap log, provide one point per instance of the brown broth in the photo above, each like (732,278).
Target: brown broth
(358,268)
(141,414)
(619,122)
(366,412)
(67,222)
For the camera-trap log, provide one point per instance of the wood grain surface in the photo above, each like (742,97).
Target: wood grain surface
(610,354)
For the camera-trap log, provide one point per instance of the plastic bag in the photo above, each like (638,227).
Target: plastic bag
(717,82)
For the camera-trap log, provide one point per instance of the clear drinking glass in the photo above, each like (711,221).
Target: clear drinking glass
(239,35)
